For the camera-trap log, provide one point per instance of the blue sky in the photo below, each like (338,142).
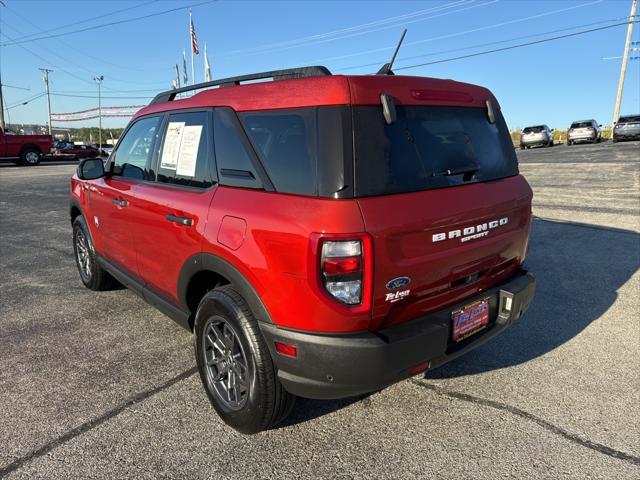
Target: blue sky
(553,83)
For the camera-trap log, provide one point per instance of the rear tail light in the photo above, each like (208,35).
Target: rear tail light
(342,269)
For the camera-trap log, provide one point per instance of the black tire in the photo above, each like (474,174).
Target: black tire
(30,156)
(262,401)
(521,147)
(93,276)
(569,143)
(614,140)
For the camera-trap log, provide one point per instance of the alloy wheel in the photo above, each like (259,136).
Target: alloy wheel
(82,253)
(226,363)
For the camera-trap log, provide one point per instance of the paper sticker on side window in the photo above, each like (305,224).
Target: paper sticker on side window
(189,151)
(171,149)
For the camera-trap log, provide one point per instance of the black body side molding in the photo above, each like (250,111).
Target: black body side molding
(202,262)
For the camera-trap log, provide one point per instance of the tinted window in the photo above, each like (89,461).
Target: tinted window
(233,152)
(429,147)
(629,119)
(135,150)
(581,124)
(287,143)
(537,129)
(184,154)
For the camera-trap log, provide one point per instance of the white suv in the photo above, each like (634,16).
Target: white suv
(584,131)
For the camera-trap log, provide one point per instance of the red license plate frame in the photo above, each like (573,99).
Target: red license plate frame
(469,320)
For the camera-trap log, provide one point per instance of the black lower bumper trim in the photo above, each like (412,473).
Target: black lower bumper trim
(337,366)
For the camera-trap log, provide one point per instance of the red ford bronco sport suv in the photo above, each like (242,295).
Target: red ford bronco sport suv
(322,235)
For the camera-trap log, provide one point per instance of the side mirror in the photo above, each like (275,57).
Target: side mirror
(600,125)
(553,129)
(388,108)
(90,169)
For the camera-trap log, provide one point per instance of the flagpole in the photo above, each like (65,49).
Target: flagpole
(193,74)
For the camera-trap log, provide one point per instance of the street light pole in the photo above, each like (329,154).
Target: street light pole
(99,81)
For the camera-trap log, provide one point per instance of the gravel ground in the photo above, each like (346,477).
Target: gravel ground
(100,385)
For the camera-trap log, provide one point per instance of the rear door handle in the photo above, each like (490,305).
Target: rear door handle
(119,202)
(180,220)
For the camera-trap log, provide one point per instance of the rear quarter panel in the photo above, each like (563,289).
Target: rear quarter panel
(274,255)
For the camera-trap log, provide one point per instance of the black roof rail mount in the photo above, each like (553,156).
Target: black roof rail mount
(300,72)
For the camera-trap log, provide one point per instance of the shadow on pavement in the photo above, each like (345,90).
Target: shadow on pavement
(579,270)
(45,162)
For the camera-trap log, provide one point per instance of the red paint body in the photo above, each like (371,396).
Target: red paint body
(12,145)
(273,239)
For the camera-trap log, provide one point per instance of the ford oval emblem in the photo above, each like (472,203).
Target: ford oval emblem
(398,282)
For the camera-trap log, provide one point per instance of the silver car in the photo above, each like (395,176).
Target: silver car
(536,135)
(584,131)
(627,128)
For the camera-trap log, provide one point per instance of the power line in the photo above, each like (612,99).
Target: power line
(305,44)
(25,101)
(319,36)
(104,25)
(58,94)
(479,45)
(47,61)
(17,88)
(82,21)
(486,52)
(465,32)
(52,52)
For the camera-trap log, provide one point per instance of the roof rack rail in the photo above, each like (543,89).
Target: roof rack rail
(301,72)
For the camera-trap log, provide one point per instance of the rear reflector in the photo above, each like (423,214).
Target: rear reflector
(286,349)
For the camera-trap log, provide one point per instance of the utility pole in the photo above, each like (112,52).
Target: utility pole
(1,107)
(625,60)
(99,81)
(46,72)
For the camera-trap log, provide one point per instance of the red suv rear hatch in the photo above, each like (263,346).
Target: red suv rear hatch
(440,193)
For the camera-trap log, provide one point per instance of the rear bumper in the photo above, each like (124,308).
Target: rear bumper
(530,142)
(582,137)
(624,134)
(337,366)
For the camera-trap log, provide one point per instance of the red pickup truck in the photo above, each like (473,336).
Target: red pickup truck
(27,148)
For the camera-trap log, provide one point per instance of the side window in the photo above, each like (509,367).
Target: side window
(184,154)
(233,153)
(132,157)
(288,147)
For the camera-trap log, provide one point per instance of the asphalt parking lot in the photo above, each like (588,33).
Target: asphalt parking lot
(101,385)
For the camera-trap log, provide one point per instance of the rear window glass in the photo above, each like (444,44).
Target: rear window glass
(429,147)
(581,124)
(287,144)
(304,151)
(533,129)
(629,119)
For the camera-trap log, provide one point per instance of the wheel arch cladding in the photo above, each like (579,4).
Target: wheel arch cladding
(211,267)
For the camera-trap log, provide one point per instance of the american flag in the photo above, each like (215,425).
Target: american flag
(194,40)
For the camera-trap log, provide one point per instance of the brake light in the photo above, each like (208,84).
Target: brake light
(342,270)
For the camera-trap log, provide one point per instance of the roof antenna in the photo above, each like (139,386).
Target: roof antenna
(386,68)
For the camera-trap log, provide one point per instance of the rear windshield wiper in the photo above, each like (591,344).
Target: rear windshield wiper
(458,171)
